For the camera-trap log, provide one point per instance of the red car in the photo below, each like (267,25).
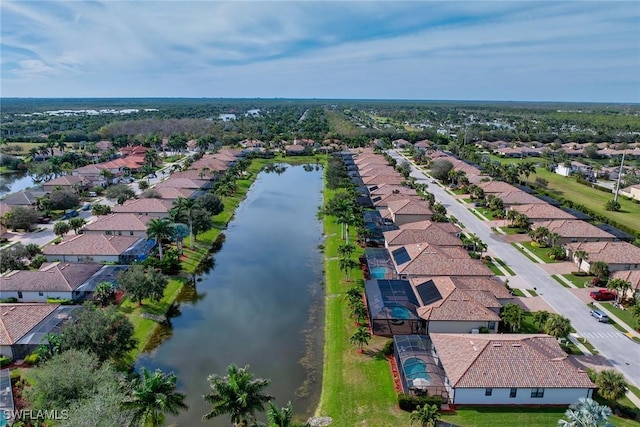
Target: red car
(603,295)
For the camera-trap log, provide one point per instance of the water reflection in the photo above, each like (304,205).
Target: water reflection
(262,303)
(14,182)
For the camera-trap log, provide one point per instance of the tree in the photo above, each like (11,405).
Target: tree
(151,193)
(346,265)
(281,417)
(77,223)
(521,220)
(61,228)
(611,384)
(116,191)
(105,293)
(552,238)
(580,255)
(153,394)
(107,175)
(621,287)
(210,203)
(140,283)
(600,269)
(353,295)
(238,395)
(512,316)
(586,413)
(33,249)
(540,317)
(143,185)
(13,258)
(557,326)
(360,338)
(98,209)
(346,250)
(160,229)
(186,207)
(358,311)
(63,199)
(54,385)
(440,169)
(202,222)
(425,416)
(21,218)
(102,409)
(103,331)
(613,205)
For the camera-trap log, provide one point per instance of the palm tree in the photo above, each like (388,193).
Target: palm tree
(600,269)
(611,384)
(76,224)
(359,311)
(360,338)
(237,394)
(346,265)
(346,250)
(353,295)
(511,215)
(620,286)
(586,413)
(160,229)
(540,317)
(557,326)
(553,238)
(281,417)
(107,175)
(580,255)
(104,293)
(512,315)
(187,207)
(426,416)
(153,394)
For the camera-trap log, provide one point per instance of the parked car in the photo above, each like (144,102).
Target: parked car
(70,214)
(600,316)
(86,206)
(44,220)
(603,295)
(92,194)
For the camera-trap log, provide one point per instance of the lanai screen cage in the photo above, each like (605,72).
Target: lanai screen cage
(138,252)
(419,368)
(6,397)
(51,324)
(379,264)
(108,273)
(392,308)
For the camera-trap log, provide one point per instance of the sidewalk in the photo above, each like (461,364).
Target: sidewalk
(574,339)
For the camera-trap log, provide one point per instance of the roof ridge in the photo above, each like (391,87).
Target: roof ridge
(472,360)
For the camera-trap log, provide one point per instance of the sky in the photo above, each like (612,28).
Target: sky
(582,51)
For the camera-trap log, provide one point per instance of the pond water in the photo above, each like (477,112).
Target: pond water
(14,182)
(262,304)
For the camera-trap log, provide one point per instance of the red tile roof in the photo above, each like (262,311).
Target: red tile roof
(119,222)
(432,260)
(609,252)
(573,228)
(91,244)
(18,319)
(143,206)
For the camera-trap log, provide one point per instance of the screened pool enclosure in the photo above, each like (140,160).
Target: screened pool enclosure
(392,308)
(419,367)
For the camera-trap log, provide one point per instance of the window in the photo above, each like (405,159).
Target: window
(492,325)
(108,233)
(131,233)
(40,294)
(513,393)
(488,391)
(119,233)
(537,392)
(20,294)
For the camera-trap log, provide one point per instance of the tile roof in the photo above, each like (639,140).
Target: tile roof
(119,222)
(631,276)
(23,198)
(182,183)
(385,199)
(16,320)
(609,252)
(52,277)
(432,260)
(410,206)
(143,206)
(390,188)
(172,193)
(496,187)
(539,211)
(518,197)
(194,174)
(91,244)
(372,170)
(68,180)
(506,361)
(483,284)
(383,179)
(449,227)
(432,235)
(573,228)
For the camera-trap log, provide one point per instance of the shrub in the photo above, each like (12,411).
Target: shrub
(579,273)
(387,349)
(5,361)
(487,258)
(535,244)
(407,402)
(557,253)
(59,301)
(9,300)
(32,359)
(484,330)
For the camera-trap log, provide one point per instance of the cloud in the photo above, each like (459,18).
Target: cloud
(378,49)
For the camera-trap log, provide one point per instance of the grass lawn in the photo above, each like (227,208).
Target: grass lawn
(505,266)
(486,212)
(591,198)
(357,389)
(589,346)
(579,281)
(505,416)
(512,230)
(517,292)
(557,279)
(494,268)
(144,328)
(477,215)
(540,252)
(518,247)
(4,169)
(624,315)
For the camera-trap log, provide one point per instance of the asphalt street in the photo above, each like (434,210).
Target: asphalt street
(623,353)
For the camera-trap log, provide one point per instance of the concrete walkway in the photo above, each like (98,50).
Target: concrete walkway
(574,339)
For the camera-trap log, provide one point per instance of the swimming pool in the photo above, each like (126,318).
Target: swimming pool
(378,272)
(400,313)
(415,368)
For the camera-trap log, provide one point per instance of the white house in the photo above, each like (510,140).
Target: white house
(98,248)
(509,369)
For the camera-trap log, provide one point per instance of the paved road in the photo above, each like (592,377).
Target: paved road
(615,346)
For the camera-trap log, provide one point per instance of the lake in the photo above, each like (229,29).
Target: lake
(14,182)
(262,304)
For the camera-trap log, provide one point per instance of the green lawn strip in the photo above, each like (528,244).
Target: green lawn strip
(505,266)
(357,389)
(482,416)
(512,230)
(587,344)
(532,292)
(518,247)
(557,279)
(540,252)
(635,390)
(494,268)
(579,281)
(590,198)
(144,328)
(486,213)
(474,212)
(4,169)
(624,315)
(517,292)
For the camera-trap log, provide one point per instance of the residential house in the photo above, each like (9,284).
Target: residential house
(55,280)
(430,232)
(24,325)
(518,197)
(119,224)
(172,193)
(497,187)
(194,184)
(383,200)
(574,230)
(77,184)
(631,276)
(390,178)
(146,207)
(632,191)
(26,198)
(134,150)
(573,167)
(295,150)
(509,369)
(400,143)
(408,210)
(541,212)
(92,173)
(376,190)
(617,255)
(99,248)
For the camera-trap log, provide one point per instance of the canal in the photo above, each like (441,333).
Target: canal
(261,304)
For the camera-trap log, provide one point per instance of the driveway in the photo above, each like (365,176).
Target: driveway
(621,352)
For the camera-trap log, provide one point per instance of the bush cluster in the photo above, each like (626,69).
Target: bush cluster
(407,402)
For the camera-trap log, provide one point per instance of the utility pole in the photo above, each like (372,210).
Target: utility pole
(615,198)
